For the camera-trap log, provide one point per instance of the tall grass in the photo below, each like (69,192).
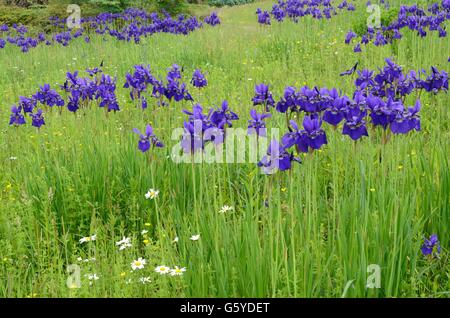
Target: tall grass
(345,207)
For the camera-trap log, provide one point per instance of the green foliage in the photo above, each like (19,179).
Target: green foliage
(345,207)
(171,6)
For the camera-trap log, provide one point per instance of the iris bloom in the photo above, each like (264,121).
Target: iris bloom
(147,140)
(431,246)
(16,117)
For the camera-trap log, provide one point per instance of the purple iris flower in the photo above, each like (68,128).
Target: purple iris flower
(365,79)
(47,96)
(257,124)
(355,125)
(27,104)
(213,19)
(335,113)
(431,246)
(263,17)
(277,158)
(37,119)
(288,101)
(349,37)
(406,121)
(263,96)
(314,134)
(2,43)
(223,116)
(16,117)
(148,139)
(198,79)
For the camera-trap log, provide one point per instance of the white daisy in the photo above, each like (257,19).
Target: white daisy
(175,240)
(195,237)
(226,209)
(145,280)
(163,269)
(93,277)
(79,259)
(12,158)
(124,243)
(151,194)
(88,238)
(177,271)
(144,232)
(138,264)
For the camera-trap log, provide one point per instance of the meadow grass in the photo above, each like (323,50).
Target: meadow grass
(345,207)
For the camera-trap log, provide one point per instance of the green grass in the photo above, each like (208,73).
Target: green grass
(335,214)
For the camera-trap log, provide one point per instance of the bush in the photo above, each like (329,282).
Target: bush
(171,6)
(221,3)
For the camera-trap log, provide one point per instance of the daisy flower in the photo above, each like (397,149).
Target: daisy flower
(88,238)
(175,240)
(144,232)
(163,270)
(145,280)
(151,194)
(138,264)
(177,271)
(124,243)
(226,209)
(195,237)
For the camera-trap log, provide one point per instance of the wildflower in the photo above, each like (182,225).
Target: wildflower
(257,124)
(225,209)
(138,264)
(277,158)
(195,237)
(263,96)
(16,117)
(37,119)
(177,271)
(349,37)
(93,277)
(212,20)
(88,238)
(145,280)
(431,246)
(175,240)
(162,269)
(124,243)
(198,79)
(144,232)
(147,140)
(152,194)
(355,125)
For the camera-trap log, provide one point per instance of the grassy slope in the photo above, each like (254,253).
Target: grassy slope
(339,211)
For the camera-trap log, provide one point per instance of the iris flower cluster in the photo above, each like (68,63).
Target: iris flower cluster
(80,91)
(143,81)
(296,9)
(202,128)
(378,99)
(96,87)
(422,21)
(131,25)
